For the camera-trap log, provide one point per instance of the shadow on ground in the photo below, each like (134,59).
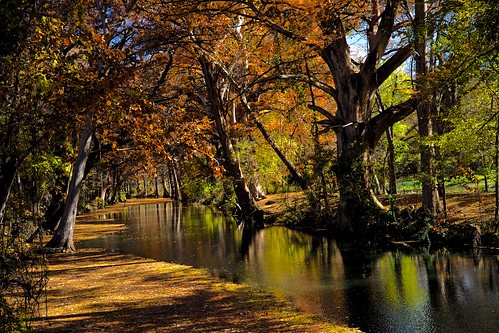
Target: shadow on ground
(96,291)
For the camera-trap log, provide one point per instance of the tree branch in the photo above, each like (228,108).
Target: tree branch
(379,40)
(380,123)
(162,77)
(301,78)
(385,70)
(331,119)
(265,19)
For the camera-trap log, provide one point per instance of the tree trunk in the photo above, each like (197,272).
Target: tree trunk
(443,194)
(156,187)
(357,129)
(146,187)
(63,237)
(496,171)
(391,162)
(378,190)
(9,169)
(174,181)
(54,211)
(248,210)
(357,206)
(166,188)
(430,200)
(116,183)
(429,184)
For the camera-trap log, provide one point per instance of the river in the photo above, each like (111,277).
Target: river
(376,291)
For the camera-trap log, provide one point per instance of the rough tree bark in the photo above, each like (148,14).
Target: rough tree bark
(430,200)
(496,171)
(63,237)
(174,181)
(392,175)
(166,185)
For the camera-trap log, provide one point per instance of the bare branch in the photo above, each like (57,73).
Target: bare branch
(379,40)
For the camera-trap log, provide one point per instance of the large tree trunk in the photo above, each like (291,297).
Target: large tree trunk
(63,237)
(246,204)
(54,211)
(357,129)
(358,205)
(429,183)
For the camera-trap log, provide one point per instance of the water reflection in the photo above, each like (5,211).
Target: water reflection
(376,291)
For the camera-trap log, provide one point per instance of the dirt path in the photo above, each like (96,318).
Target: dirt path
(95,290)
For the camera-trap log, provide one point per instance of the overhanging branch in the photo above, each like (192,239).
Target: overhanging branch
(394,62)
(380,123)
(331,120)
(302,78)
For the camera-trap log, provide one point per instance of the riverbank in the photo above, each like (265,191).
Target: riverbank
(468,221)
(95,290)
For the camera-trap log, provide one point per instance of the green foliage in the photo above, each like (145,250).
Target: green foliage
(319,212)
(261,164)
(199,184)
(23,276)
(9,321)
(199,190)
(484,17)
(396,89)
(217,193)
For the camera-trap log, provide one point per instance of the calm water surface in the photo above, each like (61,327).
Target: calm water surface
(375,291)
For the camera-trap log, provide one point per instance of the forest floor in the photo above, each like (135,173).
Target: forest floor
(94,290)
(476,208)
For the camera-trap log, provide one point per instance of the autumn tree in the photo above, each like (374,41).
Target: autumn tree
(241,76)
(424,109)
(205,80)
(24,87)
(325,28)
(104,96)
(221,108)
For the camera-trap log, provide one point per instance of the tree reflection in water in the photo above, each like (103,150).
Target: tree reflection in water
(378,291)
